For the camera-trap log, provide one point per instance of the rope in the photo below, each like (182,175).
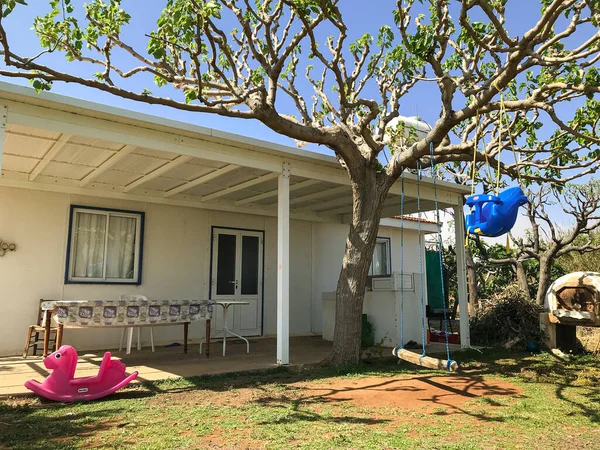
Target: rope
(504,115)
(402,266)
(419,175)
(440,253)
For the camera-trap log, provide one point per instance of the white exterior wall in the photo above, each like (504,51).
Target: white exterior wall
(176,264)
(382,307)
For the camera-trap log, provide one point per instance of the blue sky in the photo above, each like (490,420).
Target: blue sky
(360,17)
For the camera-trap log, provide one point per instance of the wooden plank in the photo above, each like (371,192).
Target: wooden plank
(50,154)
(3,117)
(328,204)
(273,193)
(110,162)
(238,187)
(16,180)
(425,361)
(174,163)
(201,180)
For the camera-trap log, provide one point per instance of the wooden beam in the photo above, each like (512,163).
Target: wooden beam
(273,193)
(425,361)
(180,160)
(322,205)
(3,117)
(318,195)
(201,180)
(238,187)
(388,207)
(50,154)
(315,196)
(65,186)
(126,150)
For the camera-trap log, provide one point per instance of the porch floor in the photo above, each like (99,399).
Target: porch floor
(172,362)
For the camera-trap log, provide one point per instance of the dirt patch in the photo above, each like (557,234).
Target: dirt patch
(414,393)
(219,438)
(204,397)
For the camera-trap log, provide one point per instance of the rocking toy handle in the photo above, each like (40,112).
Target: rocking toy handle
(477,201)
(482,198)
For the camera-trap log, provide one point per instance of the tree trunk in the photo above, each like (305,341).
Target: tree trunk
(362,237)
(544,282)
(471,281)
(522,279)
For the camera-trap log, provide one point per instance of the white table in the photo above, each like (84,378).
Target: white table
(226,304)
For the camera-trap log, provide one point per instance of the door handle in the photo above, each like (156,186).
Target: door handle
(234,282)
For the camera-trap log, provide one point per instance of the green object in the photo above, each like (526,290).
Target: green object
(367,337)
(435,299)
(533,347)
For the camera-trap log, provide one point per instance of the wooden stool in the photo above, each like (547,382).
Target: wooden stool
(36,333)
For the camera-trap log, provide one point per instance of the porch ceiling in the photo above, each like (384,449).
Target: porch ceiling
(46,149)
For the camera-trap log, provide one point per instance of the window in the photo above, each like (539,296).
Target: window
(381,258)
(105,246)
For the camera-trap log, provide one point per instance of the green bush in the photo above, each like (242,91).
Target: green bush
(367,338)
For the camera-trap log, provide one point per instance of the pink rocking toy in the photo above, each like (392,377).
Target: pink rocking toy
(61,385)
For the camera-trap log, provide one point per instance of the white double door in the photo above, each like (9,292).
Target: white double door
(237,275)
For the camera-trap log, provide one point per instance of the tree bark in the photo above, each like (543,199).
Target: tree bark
(544,281)
(471,282)
(522,279)
(368,195)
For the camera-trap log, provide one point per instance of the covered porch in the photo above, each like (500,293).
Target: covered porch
(59,145)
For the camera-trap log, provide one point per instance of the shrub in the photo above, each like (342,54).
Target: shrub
(507,319)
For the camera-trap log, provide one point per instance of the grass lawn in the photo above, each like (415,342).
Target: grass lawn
(500,400)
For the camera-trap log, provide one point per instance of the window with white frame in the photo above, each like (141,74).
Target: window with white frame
(381,258)
(105,246)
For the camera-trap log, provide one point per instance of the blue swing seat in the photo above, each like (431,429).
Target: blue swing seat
(493,216)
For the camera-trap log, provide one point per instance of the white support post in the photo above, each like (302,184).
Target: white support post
(461,273)
(283,266)
(3,118)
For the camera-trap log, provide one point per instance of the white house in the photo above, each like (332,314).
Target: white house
(102,202)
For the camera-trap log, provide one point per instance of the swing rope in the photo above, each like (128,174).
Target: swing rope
(440,253)
(419,175)
(402,265)
(503,119)
(450,364)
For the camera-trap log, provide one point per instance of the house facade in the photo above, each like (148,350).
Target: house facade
(102,202)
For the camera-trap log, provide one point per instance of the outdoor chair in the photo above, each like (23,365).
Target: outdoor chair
(35,334)
(127,298)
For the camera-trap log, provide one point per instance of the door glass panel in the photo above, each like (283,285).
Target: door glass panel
(226,244)
(250,255)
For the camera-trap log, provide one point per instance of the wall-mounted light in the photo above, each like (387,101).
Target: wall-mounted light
(6,247)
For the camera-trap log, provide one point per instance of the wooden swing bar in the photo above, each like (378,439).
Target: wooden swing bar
(425,361)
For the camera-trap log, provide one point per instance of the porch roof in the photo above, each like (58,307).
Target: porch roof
(62,144)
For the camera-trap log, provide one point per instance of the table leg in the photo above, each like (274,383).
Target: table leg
(208,338)
(47,323)
(129,339)
(185,336)
(59,335)
(225,329)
